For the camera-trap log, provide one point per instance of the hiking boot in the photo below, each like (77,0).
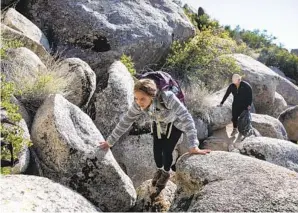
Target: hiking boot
(156,176)
(162,181)
(234,132)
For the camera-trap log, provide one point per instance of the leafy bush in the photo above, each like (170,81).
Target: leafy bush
(254,39)
(191,15)
(7,44)
(197,60)
(204,22)
(127,61)
(269,53)
(217,73)
(12,134)
(282,59)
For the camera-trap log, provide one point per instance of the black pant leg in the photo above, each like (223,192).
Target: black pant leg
(157,148)
(236,112)
(234,116)
(169,146)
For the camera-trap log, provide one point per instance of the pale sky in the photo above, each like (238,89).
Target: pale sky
(278,17)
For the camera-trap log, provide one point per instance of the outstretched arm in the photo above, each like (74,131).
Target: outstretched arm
(228,92)
(187,121)
(124,124)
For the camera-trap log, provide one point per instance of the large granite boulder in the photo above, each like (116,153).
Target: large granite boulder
(28,193)
(17,21)
(268,126)
(289,118)
(262,80)
(218,117)
(280,152)
(114,101)
(67,143)
(10,34)
(279,105)
(135,155)
(143,29)
(229,182)
(81,78)
(21,63)
(287,90)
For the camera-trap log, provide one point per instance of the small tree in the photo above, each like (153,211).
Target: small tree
(12,135)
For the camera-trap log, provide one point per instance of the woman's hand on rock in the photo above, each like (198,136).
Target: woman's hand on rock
(196,150)
(104,145)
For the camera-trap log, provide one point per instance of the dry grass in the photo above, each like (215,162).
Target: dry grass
(195,99)
(36,84)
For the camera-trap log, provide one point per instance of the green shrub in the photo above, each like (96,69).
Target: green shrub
(195,60)
(204,22)
(254,39)
(12,133)
(269,53)
(191,16)
(217,73)
(201,21)
(127,61)
(191,59)
(282,59)
(7,44)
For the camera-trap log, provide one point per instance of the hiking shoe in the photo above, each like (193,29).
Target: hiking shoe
(156,176)
(234,132)
(162,181)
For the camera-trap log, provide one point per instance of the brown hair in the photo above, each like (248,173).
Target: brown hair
(147,86)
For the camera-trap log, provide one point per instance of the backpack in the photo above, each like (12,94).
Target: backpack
(244,124)
(164,82)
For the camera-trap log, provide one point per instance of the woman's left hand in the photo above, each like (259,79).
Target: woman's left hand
(196,150)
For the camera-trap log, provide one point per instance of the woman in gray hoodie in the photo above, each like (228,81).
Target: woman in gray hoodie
(169,118)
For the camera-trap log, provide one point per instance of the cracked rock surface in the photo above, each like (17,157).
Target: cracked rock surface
(223,181)
(66,142)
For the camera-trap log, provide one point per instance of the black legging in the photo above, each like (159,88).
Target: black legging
(163,148)
(236,112)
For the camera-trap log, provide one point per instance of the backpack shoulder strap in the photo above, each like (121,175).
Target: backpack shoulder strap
(160,100)
(161,96)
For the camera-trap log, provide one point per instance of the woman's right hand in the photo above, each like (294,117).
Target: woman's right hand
(104,145)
